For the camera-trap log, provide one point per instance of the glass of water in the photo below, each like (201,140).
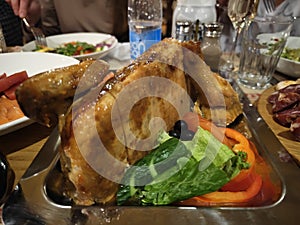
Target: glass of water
(263,40)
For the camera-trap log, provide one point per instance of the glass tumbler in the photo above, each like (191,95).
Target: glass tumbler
(263,41)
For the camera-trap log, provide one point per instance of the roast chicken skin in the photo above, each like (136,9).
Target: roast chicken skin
(46,96)
(116,123)
(124,117)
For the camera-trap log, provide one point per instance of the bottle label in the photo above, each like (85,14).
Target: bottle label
(140,42)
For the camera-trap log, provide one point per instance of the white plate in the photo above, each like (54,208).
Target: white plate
(33,63)
(89,37)
(290,67)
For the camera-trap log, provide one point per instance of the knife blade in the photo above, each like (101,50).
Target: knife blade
(45,156)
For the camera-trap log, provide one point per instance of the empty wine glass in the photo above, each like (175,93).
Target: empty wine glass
(237,11)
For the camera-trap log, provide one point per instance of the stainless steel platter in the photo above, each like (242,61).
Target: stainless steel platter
(37,200)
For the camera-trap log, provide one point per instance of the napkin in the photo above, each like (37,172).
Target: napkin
(121,52)
(119,56)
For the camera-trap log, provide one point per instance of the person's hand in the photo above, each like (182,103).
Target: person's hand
(31,9)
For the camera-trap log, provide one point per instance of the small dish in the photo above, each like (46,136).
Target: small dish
(89,37)
(287,66)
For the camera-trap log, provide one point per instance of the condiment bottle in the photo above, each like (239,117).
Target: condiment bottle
(183,30)
(211,47)
(193,10)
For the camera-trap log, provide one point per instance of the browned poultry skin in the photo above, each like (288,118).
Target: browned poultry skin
(85,179)
(114,125)
(45,96)
(216,98)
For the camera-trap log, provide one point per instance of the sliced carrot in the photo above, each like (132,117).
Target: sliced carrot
(16,78)
(226,197)
(244,178)
(234,140)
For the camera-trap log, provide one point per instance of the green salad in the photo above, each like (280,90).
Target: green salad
(287,53)
(178,170)
(75,48)
(291,54)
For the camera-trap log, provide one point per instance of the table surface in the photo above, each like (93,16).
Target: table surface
(21,146)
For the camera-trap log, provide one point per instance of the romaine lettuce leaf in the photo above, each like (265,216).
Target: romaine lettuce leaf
(204,146)
(178,170)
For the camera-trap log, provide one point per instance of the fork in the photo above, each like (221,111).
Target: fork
(269,5)
(40,39)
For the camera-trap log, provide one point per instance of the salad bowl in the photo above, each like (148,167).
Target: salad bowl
(289,62)
(105,42)
(33,63)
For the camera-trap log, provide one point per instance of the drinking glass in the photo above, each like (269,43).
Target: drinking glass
(263,41)
(237,11)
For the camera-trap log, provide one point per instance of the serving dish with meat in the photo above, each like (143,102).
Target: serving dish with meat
(279,107)
(15,67)
(285,102)
(113,118)
(10,109)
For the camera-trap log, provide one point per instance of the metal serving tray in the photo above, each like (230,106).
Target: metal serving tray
(33,203)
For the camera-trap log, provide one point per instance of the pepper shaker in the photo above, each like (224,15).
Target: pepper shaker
(211,47)
(183,30)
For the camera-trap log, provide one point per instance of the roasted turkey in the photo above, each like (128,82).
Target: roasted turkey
(114,119)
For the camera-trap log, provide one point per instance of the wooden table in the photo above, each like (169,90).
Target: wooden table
(21,146)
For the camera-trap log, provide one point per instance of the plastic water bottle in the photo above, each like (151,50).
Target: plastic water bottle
(145,21)
(203,11)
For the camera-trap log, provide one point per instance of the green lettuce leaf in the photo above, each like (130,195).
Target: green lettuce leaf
(178,170)
(204,146)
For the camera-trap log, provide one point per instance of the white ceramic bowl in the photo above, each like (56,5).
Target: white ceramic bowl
(33,63)
(89,37)
(290,67)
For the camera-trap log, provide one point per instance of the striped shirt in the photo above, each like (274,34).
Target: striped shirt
(11,25)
